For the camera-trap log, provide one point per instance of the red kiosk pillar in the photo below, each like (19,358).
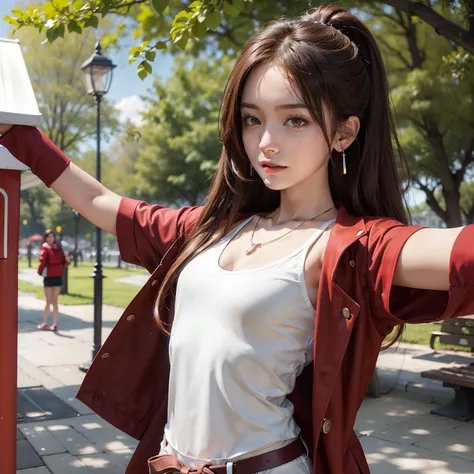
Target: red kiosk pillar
(10,182)
(17,106)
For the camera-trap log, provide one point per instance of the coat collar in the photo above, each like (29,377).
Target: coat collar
(347,230)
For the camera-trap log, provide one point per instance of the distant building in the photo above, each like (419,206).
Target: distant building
(427,218)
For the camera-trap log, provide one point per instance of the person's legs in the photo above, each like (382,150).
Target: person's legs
(54,301)
(48,293)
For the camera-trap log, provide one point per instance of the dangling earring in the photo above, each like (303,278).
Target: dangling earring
(251,171)
(344,168)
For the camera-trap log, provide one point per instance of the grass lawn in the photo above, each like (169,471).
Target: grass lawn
(81,285)
(421,334)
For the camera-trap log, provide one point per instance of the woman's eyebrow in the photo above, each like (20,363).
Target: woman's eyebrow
(299,105)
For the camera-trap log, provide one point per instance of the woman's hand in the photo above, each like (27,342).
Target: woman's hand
(4,127)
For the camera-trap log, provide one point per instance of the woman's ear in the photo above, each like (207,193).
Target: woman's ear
(346,133)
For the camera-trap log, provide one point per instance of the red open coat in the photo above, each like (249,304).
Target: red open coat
(51,259)
(357,307)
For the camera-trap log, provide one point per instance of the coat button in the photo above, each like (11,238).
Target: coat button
(352,263)
(131,317)
(326,425)
(360,232)
(346,312)
(106,355)
(154,282)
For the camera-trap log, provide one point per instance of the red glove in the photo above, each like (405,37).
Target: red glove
(32,148)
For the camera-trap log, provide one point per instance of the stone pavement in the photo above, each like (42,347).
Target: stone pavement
(397,431)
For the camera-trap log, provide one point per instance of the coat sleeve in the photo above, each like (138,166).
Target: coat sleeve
(147,233)
(64,260)
(392,305)
(43,260)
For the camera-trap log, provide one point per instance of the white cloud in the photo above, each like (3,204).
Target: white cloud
(130,108)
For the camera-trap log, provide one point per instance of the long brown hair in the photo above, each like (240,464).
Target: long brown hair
(333,60)
(47,233)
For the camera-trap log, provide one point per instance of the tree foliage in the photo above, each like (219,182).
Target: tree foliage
(432,89)
(179,144)
(164,24)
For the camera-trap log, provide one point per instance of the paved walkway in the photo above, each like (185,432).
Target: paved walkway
(397,431)
(31,276)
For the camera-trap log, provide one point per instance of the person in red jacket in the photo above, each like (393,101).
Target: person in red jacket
(51,266)
(274,297)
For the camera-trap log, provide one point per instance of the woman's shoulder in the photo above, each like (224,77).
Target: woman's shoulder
(368,222)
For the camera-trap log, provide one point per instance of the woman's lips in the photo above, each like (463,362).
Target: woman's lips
(272,169)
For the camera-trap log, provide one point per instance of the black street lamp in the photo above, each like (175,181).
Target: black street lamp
(76,235)
(97,79)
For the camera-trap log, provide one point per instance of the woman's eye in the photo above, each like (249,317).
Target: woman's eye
(297,122)
(250,120)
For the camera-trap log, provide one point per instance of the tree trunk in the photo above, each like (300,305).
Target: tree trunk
(453,209)
(450,182)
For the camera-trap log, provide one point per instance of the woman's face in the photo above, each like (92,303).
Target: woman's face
(277,129)
(50,239)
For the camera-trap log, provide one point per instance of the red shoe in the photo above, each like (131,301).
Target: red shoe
(42,326)
(54,327)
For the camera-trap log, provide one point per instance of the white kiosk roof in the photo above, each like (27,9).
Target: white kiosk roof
(17,102)
(17,99)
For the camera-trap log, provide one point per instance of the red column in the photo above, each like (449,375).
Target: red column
(9,236)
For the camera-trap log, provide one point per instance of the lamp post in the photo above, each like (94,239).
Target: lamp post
(76,235)
(97,79)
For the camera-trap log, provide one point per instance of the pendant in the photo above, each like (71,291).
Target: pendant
(251,249)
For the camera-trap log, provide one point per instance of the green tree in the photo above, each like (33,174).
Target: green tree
(179,145)
(432,90)
(33,203)
(124,153)
(159,24)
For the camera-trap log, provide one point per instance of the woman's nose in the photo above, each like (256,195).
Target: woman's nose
(268,143)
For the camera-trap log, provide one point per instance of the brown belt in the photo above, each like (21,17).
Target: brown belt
(167,463)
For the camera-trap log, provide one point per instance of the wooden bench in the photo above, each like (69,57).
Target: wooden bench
(461,379)
(456,331)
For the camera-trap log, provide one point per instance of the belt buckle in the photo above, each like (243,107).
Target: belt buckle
(229,468)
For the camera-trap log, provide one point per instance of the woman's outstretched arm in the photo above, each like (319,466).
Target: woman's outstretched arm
(424,261)
(90,198)
(81,191)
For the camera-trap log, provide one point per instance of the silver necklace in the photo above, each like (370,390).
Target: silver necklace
(256,245)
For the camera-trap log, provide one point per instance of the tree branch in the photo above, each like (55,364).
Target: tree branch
(397,53)
(431,200)
(468,159)
(441,25)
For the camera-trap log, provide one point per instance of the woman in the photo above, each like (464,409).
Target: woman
(275,297)
(51,266)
